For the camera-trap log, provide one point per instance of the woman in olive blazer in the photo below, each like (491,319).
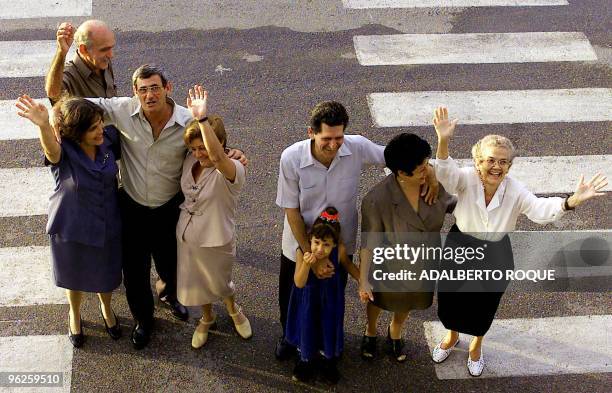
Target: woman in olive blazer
(394,213)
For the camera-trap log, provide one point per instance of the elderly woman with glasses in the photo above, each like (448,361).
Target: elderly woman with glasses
(489,204)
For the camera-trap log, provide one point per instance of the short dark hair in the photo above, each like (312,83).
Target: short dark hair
(148,70)
(405,152)
(331,113)
(74,116)
(323,228)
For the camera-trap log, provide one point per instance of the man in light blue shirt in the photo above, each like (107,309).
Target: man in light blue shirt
(315,173)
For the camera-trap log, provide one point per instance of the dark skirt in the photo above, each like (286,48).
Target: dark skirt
(473,312)
(403,301)
(80,267)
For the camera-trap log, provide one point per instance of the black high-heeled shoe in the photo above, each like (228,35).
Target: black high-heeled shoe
(396,347)
(114,331)
(78,339)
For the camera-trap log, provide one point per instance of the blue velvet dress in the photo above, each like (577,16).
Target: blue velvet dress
(315,319)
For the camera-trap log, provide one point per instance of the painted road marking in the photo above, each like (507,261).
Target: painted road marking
(535,172)
(365,4)
(399,49)
(13,126)
(19,59)
(25,191)
(533,346)
(35,287)
(44,8)
(38,354)
(492,107)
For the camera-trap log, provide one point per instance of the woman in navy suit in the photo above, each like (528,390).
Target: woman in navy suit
(84,224)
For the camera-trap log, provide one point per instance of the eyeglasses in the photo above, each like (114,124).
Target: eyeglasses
(502,162)
(155,89)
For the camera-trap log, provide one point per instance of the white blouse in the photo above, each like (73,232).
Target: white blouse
(511,199)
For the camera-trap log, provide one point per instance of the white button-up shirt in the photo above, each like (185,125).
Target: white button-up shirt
(150,169)
(511,199)
(305,183)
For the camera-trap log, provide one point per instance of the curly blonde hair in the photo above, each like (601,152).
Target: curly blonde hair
(495,141)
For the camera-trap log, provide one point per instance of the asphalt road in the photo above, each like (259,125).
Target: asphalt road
(284,59)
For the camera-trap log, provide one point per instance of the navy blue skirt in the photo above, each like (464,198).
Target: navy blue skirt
(80,267)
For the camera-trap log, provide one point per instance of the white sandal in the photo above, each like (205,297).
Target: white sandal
(439,355)
(244,329)
(199,338)
(475,367)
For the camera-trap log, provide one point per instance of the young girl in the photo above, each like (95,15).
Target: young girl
(316,307)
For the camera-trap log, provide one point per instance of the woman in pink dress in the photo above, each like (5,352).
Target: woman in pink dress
(206,230)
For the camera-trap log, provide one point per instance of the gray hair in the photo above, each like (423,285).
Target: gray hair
(495,141)
(83,34)
(148,70)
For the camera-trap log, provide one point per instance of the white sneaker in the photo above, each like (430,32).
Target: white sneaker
(439,355)
(475,367)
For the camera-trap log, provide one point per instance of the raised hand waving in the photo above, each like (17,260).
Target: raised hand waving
(197,102)
(444,127)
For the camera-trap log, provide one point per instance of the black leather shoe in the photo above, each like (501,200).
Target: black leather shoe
(178,310)
(329,371)
(303,371)
(114,331)
(368,347)
(78,339)
(140,336)
(396,347)
(284,350)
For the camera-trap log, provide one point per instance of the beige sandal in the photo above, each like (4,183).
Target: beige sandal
(244,329)
(199,338)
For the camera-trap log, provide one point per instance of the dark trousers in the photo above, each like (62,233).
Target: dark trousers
(148,232)
(285,284)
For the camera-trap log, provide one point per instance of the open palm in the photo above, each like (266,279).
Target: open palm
(197,102)
(444,127)
(34,111)
(585,191)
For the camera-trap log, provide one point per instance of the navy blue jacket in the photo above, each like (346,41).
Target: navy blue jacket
(84,207)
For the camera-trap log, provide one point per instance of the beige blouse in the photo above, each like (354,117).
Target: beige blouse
(209,211)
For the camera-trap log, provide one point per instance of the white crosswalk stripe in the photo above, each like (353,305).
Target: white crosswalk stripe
(44,354)
(35,287)
(513,347)
(400,49)
(492,107)
(26,272)
(13,126)
(44,8)
(532,346)
(20,59)
(369,4)
(25,191)
(535,172)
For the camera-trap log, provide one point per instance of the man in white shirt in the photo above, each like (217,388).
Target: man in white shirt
(315,173)
(152,154)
